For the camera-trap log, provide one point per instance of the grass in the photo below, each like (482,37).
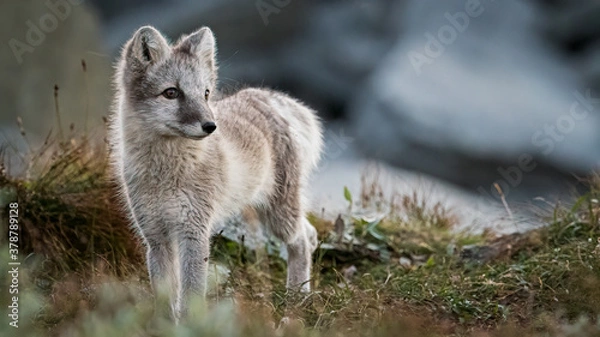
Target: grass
(404,272)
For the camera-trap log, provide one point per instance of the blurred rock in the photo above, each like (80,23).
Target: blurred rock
(237,227)
(502,247)
(474,95)
(405,262)
(573,27)
(321,51)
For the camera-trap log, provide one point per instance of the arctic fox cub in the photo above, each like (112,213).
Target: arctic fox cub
(186,158)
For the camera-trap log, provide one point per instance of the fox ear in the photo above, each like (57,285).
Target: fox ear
(148,46)
(202,44)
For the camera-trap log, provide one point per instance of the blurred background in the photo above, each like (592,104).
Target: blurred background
(457,98)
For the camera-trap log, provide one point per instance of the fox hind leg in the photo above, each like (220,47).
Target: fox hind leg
(300,238)
(300,251)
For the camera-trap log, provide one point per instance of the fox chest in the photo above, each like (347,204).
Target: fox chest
(169,199)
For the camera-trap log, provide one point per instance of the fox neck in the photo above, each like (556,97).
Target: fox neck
(165,147)
(165,159)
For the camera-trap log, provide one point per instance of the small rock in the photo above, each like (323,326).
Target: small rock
(349,272)
(405,262)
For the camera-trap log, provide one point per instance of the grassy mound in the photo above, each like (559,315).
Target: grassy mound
(404,272)
(69,213)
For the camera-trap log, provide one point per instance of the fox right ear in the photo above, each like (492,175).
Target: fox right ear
(202,44)
(148,46)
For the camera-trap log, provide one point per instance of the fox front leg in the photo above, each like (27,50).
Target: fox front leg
(194,251)
(162,261)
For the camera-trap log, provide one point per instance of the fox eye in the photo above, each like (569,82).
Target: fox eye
(206,93)
(171,93)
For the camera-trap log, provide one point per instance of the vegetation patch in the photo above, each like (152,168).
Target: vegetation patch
(404,270)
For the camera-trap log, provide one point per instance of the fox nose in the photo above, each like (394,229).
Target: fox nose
(209,127)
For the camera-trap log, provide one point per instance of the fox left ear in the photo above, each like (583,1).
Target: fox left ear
(202,44)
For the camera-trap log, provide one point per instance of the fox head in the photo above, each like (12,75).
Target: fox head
(167,87)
